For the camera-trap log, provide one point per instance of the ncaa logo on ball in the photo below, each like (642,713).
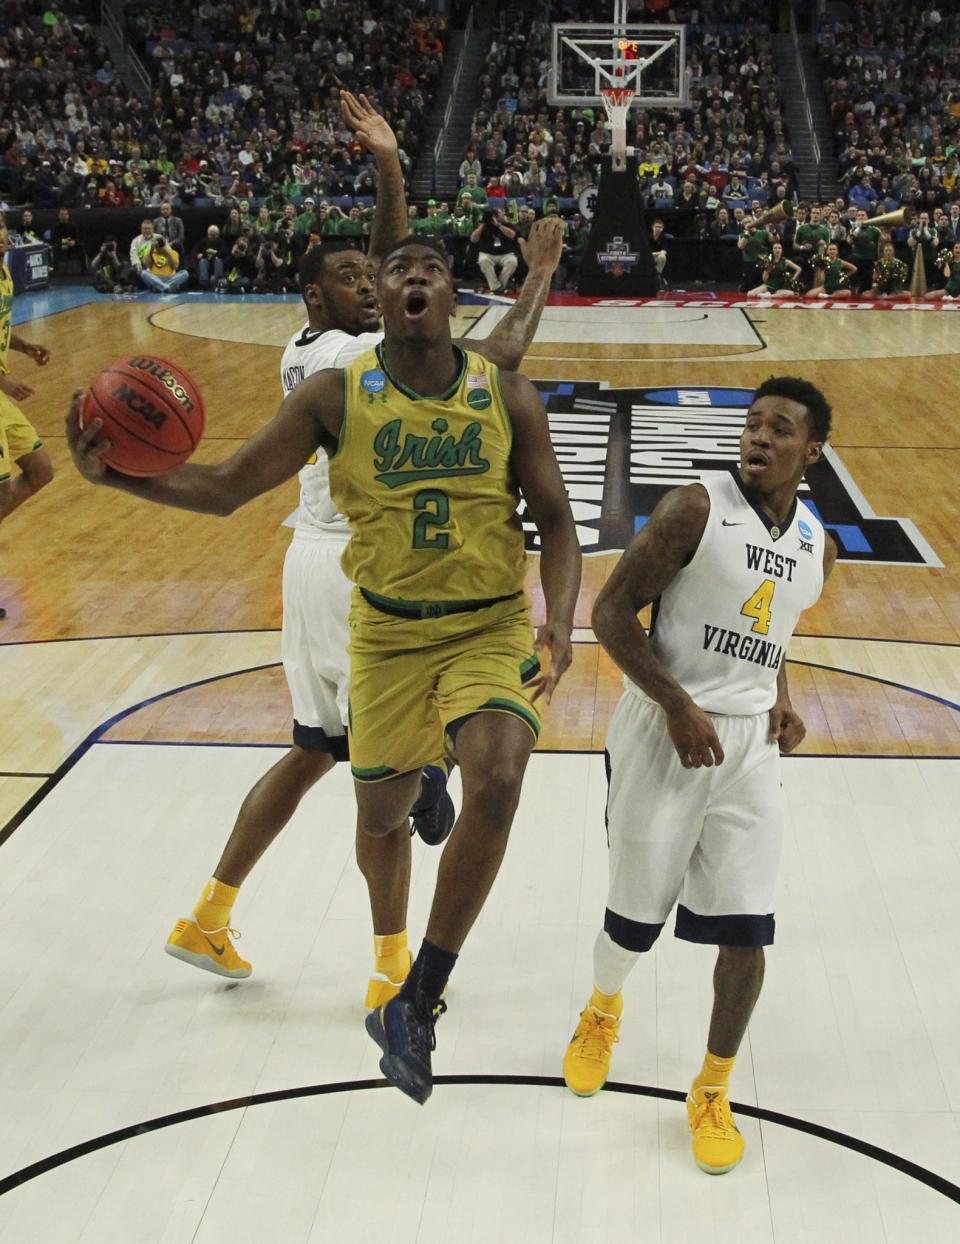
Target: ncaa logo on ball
(479,399)
(156,369)
(373,381)
(804,529)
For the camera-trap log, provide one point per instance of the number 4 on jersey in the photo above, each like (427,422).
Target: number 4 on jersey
(759,607)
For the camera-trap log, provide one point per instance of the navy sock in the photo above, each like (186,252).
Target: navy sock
(430,972)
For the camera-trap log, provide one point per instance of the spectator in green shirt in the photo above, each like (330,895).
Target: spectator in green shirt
(432,226)
(754,244)
(246,220)
(275,200)
(865,240)
(811,237)
(304,221)
(477,193)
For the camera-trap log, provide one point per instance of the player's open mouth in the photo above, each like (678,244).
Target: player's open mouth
(370,305)
(416,305)
(756,462)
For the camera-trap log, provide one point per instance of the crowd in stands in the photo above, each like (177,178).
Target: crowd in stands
(728,148)
(891,72)
(244,118)
(240,110)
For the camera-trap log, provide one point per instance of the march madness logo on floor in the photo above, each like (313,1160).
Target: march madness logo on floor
(620,450)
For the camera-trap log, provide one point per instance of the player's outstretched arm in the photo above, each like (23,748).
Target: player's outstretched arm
(510,340)
(535,466)
(651,563)
(390,218)
(308,419)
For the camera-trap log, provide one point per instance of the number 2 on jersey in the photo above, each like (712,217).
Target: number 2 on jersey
(434,507)
(759,607)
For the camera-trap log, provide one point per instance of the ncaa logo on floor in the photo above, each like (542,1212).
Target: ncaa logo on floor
(621,450)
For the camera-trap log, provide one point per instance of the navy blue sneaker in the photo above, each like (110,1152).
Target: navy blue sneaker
(433,815)
(404,1030)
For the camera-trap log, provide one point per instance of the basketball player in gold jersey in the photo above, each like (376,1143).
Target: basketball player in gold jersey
(19,441)
(431,448)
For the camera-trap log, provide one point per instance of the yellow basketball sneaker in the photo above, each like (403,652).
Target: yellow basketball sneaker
(586,1063)
(717,1143)
(210,949)
(380,988)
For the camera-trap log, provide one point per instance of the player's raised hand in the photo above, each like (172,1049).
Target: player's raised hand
(786,728)
(694,737)
(15,389)
(555,639)
(368,125)
(86,444)
(544,246)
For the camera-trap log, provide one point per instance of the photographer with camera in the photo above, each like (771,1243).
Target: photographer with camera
(274,269)
(206,258)
(111,274)
(497,245)
(161,268)
(240,269)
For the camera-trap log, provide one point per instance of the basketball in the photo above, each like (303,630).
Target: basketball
(151,410)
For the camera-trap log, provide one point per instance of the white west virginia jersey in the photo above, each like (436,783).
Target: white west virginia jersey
(723,625)
(308,352)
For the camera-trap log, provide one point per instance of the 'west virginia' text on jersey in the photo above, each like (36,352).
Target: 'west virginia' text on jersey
(425,483)
(723,624)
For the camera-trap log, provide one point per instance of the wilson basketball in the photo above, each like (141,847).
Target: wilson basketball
(151,410)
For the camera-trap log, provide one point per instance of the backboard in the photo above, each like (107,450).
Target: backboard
(585,57)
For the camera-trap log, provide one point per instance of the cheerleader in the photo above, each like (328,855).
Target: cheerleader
(889,275)
(951,270)
(781,276)
(832,279)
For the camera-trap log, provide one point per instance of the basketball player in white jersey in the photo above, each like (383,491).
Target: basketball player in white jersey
(694,807)
(337,285)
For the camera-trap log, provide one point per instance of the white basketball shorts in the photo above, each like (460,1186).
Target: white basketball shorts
(314,639)
(710,838)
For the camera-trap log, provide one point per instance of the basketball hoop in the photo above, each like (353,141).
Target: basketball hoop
(616,103)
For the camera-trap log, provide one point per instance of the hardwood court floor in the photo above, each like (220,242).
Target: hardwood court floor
(139,667)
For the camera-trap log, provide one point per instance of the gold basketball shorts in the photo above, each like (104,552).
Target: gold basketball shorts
(18,437)
(412,677)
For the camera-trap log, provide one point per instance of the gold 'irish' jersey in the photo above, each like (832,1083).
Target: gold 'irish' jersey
(426,485)
(6,313)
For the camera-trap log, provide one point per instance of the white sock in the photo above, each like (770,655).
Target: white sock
(611,963)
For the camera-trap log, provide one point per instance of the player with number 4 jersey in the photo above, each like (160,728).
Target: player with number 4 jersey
(694,808)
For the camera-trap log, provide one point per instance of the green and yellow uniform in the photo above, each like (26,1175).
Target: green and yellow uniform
(835,276)
(778,276)
(440,625)
(18,436)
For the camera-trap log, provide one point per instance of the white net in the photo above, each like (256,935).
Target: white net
(616,103)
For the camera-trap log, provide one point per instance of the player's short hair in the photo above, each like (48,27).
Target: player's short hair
(819,414)
(311,265)
(412,240)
